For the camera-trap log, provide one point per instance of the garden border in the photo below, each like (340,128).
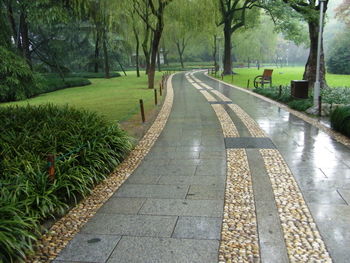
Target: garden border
(335,135)
(52,243)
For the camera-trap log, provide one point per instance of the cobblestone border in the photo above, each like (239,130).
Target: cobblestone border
(303,240)
(239,235)
(335,135)
(51,243)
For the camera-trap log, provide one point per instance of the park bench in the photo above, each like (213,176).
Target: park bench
(265,78)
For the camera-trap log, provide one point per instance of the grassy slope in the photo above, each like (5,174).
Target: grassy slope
(115,98)
(283,76)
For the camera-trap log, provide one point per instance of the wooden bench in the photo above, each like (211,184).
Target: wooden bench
(265,78)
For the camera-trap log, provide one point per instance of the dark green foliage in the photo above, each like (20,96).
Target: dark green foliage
(336,95)
(27,134)
(340,120)
(92,75)
(300,105)
(52,83)
(285,97)
(339,57)
(17,81)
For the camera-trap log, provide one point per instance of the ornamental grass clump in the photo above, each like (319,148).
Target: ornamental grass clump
(87,149)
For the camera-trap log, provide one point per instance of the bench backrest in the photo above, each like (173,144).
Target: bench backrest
(267,74)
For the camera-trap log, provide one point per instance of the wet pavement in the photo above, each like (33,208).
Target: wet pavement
(171,208)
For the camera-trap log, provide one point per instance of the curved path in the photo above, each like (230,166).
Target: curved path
(232,178)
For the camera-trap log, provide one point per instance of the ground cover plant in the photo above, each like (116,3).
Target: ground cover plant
(115,98)
(87,149)
(285,97)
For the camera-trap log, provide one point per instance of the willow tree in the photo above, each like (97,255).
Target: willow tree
(233,15)
(152,14)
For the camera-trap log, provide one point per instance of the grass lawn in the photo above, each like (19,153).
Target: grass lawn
(282,76)
(115,98)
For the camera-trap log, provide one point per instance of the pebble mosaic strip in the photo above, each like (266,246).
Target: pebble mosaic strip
(207,95)
(239,236)
(51,243)
(251,125)
(303,241)
(228,127)
(202,83)
(336,135)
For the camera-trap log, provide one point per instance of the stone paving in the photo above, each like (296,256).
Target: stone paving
(231,178)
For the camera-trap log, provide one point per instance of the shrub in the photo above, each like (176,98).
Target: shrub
(340,120)
(285,97)
(92,75)
(52,83)
(87,147)
(301,104)
(17,81)
(336,95)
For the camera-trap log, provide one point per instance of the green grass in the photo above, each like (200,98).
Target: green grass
(114,98)
(282,76)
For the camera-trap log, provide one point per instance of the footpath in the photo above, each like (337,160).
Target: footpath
(231,178)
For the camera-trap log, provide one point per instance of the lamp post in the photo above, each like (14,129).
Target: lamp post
(317,81)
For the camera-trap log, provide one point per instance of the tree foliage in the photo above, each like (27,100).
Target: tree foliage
(339,55)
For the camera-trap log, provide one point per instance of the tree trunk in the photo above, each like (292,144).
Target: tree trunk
(155,45)
(180,52)
(137,61)
(158,61)
(97,52)
(105,55)
(310,67)
(145,48)
(12,20)
(214,52)
(25,40)
(227,50)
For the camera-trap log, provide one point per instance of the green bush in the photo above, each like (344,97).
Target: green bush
(92,75)
(340,120)
(17,81)
(52,83)
(301,104)
(87,149)
(336,95)
(285,97)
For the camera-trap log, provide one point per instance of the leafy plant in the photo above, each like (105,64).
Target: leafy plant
(87,149)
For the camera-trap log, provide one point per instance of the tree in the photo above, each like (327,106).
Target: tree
(339,56)
(153,17)
(307,11)
(233,16)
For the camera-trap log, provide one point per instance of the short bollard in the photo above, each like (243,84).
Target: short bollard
(248,83)
(319,106)
(51,166)
(160,89)
(231,78)
(222,76)
(280,91)
(142,111)
(155,97)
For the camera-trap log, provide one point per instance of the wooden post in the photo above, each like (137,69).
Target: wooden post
(160,89)
(51,168)
(280,91)
(319,106)
(231,78)
(248,83)
(155,97)
(222,76)
(142,111)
